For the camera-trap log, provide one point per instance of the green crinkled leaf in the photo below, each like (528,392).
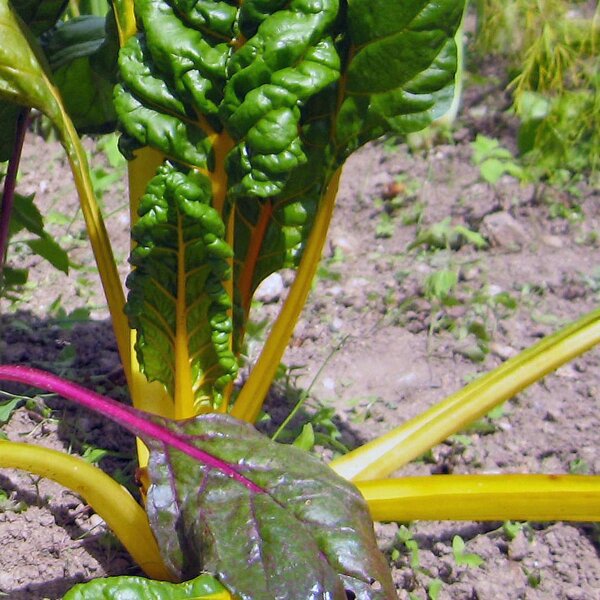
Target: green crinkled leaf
(402,62)
(130,588)
(176,289)
(255,93)
(181,140)
(290,89)
(138,74)
(285,526)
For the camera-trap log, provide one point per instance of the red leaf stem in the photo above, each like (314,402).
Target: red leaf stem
(137,422)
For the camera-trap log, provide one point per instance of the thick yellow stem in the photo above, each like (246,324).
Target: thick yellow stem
(110,500)
(484,498)
(184,395)
(393,450)
(99,241)
(148,396)
(252,396)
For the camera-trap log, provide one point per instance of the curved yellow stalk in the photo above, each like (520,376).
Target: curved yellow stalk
(99,239)
(109,499)
(391,451)
(484,498)
(252,396)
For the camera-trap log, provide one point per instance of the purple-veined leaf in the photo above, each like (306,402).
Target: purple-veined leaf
(268,520)
(298,532)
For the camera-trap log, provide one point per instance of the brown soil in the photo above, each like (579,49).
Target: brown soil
(370,318)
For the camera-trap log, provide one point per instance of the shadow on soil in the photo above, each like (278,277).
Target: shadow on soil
(85,352)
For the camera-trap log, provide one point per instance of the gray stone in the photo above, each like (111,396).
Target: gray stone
(271,289)
(504,231)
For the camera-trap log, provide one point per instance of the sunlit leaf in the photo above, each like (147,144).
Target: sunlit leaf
(267,520)
(177,300)
(25,80)
(203,587)
(278,523)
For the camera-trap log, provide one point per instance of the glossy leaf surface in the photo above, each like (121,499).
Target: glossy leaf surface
(203,587)
(25,80)
(402,64)
(267,99)
(267,520)
(39,16)
(292,530)
(22,77)
(81,54)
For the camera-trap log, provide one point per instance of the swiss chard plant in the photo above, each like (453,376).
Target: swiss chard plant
(237,118)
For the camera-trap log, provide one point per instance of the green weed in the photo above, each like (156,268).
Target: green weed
(444,235)
(8,502)
(494,160)
(552,48)
(463,558)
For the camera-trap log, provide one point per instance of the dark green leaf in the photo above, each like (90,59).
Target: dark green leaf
(402,64)
(39,15)
(265,519)
(83,59)
(282,92)
(138,588)
(48,249)
(14,277)
(26,215)
(293,530)
(8,127)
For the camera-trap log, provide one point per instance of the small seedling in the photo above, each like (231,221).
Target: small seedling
(434,588)
(534,577)
(462,558)
(94,455)
(444,235)
(570,212)
(487,424)
(511,529)
(405,537)
(8,503)
(8,407)
(439,285)
(494,161)
(385,227)
(579,466)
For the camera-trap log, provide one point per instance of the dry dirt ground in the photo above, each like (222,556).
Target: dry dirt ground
(386,346)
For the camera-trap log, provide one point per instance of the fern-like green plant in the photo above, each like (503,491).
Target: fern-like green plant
(552,45)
